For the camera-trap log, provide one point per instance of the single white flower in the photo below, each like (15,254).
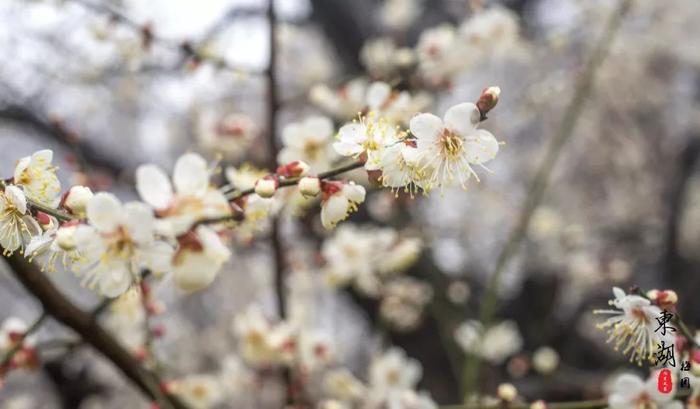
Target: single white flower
(369,136)
(632,325)
(118,243)
(494,344)
(402,168)
(342,103)
(315,350)
(631,392)
(188,199)
(253,332)
(398,15)
(17,226)
(199,257)
(38,178)
(393,371)
(310,141)
(441,55)
(449,149)
(490,33)
(199,391)
(339,201)
(230,134)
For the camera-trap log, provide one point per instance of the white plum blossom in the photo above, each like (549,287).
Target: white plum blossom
(339,201)
(632,325)
(369,136)
(440,55)
(262,343)
(201,391)
(230,134)
(342,103)
(631,392)
(450,147)
(402,168)
(493,32)
(396,107)
(17,226)
(186,200)
(393,370)
(494,344)
(199,257)
(310,141)
(398,15)
(37,177)
(118,242)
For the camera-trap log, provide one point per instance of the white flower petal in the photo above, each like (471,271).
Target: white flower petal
(481,147)
(154,186)
(319,127)
(104,211)
(462,118)
(139,221)
(115,281)
(426,126)
(42,159)
(347,149)
(334,210)
(377,95)
(191,176)
(353,133)
(16,197)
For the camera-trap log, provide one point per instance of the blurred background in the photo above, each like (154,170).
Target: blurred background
(109,85)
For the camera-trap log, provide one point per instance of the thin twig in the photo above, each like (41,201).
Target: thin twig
(20,341)
(539,183)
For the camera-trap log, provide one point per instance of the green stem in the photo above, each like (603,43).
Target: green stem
(539,183)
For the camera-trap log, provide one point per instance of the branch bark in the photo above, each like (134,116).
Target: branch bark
(86,326)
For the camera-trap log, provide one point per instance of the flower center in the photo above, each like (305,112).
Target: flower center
(450,144)
(120,245)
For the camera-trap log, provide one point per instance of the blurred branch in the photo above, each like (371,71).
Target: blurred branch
(273,148)
(86,326)
(189,50)
(53,129)
(539,183)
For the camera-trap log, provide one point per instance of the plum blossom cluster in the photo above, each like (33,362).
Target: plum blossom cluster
(373,260)
(392,382)
(434,153)
(446,51)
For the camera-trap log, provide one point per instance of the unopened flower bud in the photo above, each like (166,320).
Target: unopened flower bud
(652,294)
(538,404)
(75,200)
(488,100)
(293,169)
(266,187)
(65,238)
(667,298)
(310,186)
(507,392)
(545,360)
(44,220)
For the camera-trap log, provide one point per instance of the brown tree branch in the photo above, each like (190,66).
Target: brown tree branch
(86,326)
